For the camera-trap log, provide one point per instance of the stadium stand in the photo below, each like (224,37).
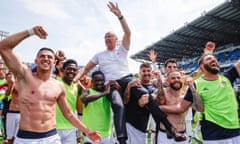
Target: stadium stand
(221,25)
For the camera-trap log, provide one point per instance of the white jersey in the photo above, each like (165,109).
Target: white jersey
(113,64)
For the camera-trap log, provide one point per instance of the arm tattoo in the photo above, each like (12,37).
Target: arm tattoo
(159,92)
(197,101)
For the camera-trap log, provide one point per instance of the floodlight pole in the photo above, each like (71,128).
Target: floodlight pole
(3,34)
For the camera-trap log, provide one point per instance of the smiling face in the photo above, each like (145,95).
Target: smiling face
(45,60)
(174,80)
(98,81)
(146,73)
(210,64)
(70,71)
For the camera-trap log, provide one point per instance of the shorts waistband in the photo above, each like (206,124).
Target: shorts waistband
(13,111)
(35,135)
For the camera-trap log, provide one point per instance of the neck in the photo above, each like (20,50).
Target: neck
(111,48)
(67,81)
(210,76)
(145,82)
(173,92)
(43,76)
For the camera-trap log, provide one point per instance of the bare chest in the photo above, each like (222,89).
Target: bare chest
(172,99)
(38,92)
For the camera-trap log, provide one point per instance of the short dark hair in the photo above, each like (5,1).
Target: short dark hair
(68,62)
(171,60)
(98,72)
(145,64)
(48,49)
(172,71)
(9,73)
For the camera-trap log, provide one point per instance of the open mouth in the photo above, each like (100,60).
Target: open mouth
(214,64)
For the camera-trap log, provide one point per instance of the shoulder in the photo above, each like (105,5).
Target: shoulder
(122,48)
(56,83)
(98,56)
(24,73)
(101,53)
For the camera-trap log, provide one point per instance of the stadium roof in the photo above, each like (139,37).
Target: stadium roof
(221,25)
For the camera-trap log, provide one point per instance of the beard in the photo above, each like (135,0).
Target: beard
(211,70)
(172,85)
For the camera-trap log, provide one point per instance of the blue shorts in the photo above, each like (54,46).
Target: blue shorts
(35,135)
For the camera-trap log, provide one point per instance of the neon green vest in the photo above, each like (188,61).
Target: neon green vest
(71,96)
(219,101)
(97,115)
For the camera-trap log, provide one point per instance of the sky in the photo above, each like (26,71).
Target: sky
(78,26)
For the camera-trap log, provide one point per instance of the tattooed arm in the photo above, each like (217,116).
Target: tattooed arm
(159,92)
(197,101)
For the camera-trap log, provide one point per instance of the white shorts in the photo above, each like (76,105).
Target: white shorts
(233,140)
(68,136)
(135,136)
(54,139)
(162,139)
(12,124)
(104,140)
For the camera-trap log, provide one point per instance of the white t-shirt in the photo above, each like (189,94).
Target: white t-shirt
(113,64)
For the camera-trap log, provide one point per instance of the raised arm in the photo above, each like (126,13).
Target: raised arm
(153,57)
(127,32)
(159,93)
(8,44)
(84,71)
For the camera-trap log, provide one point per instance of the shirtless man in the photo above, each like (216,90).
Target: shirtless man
(38,93)
(173,97)
(13,113)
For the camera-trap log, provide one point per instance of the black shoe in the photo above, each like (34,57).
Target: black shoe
(122,141)
(172,133)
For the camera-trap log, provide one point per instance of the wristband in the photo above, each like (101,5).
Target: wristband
(120,18)
(31,32)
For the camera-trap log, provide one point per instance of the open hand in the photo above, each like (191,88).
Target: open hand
(94,136)
(114,9)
